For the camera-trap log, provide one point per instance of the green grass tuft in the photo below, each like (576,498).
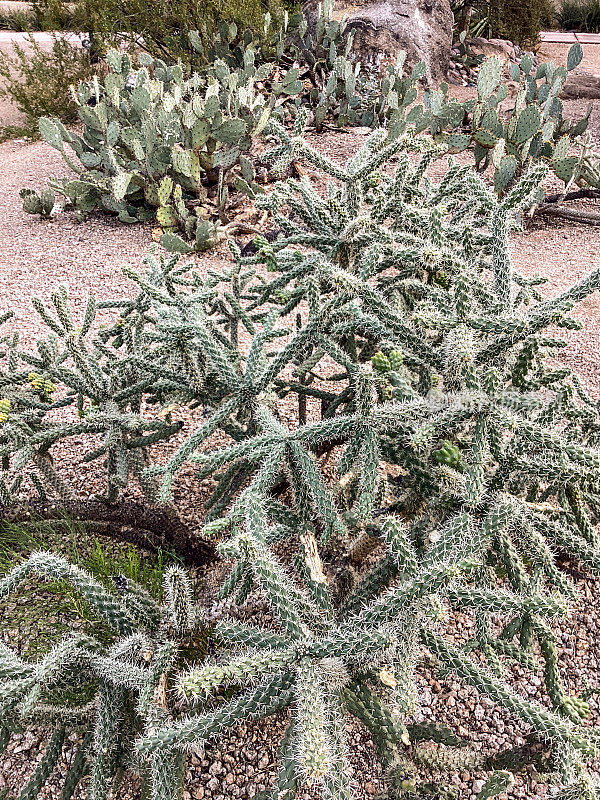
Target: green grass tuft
(581,15)
(44,613)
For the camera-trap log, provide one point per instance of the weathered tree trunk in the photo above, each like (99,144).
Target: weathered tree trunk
(422,28)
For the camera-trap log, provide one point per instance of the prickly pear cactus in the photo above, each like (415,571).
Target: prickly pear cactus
(158,145)
(534,129)
(34,203)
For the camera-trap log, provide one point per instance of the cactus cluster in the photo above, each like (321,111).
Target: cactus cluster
(436,459)
(162,142)
(334,85)
(321,71)
(158,145)
(532,129)
(329,70)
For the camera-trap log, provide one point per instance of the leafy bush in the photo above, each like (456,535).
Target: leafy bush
(44,15)
(581,15)
(518,22)
(436,459)
(57,15)
(41,83)
(17,21)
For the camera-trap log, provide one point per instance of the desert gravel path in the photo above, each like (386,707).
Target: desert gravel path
(37,255)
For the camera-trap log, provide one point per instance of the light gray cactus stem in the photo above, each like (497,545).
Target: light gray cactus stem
(106,731)
(501,260)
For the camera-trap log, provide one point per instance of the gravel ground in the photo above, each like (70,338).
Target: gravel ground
(35,256)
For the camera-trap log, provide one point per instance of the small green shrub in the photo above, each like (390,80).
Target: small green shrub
(103,560)
(580,15)
(520,22)
(18,21)
(14,540)
(56,15)
(42,83)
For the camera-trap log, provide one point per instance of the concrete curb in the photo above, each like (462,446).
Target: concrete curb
(571,37)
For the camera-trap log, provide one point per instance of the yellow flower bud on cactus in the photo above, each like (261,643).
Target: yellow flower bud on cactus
(41,385)
(4,409)
(395,357)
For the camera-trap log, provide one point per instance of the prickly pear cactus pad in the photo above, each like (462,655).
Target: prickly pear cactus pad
(435,461)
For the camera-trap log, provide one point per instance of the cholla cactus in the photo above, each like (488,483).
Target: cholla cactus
(496,784)
(117,689)
(460,459)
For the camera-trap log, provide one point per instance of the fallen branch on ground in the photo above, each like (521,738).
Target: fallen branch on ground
(149,528)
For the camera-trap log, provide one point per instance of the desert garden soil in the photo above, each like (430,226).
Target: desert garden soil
(36,256)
